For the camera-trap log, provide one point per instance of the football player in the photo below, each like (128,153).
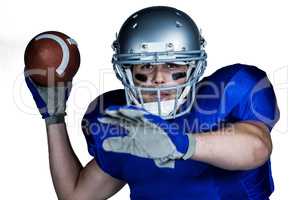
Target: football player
(170,134)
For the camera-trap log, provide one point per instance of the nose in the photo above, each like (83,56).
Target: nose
(159,78)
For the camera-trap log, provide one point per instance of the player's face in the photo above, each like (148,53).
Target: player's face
(147,75)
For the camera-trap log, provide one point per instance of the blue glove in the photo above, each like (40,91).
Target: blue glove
(148,136)
(51,101)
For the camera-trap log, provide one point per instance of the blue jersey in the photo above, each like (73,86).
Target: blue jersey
(232,94)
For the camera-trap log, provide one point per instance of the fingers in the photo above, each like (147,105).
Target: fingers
(147,122)
(38,98)
(113,144)
(125,145)
(117,115)
(153,121)
(134,116)
(117,144)
(132,113)
(112,121)
(113,112)
(164,163)
(125,114)
(30,84)
(126,124)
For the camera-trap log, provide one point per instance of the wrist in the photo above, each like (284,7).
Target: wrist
(55,119)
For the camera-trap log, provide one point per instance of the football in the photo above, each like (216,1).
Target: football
(51,58)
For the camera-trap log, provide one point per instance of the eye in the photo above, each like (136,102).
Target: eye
(172,66)
(176,67)
(146,67)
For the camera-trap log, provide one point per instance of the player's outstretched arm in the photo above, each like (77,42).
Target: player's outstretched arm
(240,146)
(70,179)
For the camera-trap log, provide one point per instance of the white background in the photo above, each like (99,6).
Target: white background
(261,33)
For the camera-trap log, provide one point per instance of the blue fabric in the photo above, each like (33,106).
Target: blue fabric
(175,133)
(226,96)
(40,103)
(40,95)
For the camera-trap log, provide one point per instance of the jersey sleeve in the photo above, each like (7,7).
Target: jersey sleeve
(88,129)
(259,102)
(96,132)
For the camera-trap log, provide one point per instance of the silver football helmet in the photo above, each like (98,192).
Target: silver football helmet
(158,35)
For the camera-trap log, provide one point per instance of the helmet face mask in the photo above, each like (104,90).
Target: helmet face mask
(160,36)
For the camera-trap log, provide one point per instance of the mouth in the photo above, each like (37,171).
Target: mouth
(163,96)
(151,96)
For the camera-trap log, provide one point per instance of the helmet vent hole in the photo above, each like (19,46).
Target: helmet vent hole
(177,13)
(135,16)
(170,45)
(178,24)
(144,46)
(134,26)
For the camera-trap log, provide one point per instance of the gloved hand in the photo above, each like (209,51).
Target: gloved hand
(51,101)
(149,136)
